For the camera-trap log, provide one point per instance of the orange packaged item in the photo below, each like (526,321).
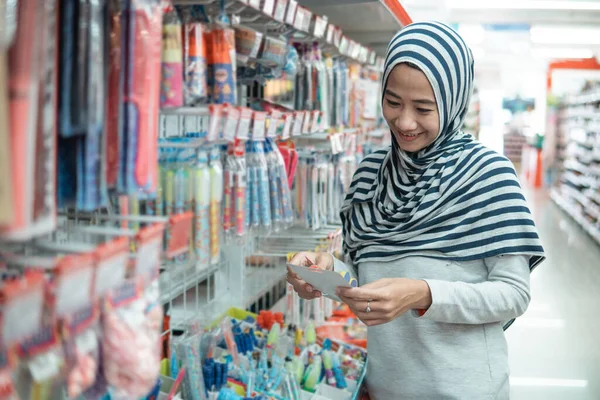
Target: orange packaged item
(194,61)
(6,195)
(223,66)
(23,85)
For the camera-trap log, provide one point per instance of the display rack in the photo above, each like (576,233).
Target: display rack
(88,206)
(578,152)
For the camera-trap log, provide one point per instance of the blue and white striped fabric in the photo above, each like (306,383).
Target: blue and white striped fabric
(455,199)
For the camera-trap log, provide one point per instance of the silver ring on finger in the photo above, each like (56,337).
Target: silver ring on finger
(368,309)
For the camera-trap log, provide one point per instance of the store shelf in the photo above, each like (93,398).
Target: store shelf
(198,111)
(370,22)
(572,210)
(588,98)
(260,281)
(174,280)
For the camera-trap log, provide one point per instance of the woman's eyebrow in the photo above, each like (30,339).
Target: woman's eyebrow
(420,101)
(390,93)
(425,101)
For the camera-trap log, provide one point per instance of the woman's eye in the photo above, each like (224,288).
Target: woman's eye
(393,103)
(424,110)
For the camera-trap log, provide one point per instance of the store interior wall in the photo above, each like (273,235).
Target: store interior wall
(513,44)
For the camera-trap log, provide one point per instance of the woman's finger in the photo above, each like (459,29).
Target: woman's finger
(358,294)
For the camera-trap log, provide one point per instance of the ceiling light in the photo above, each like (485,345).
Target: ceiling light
(558,53)
(565,35)
(574,383)
(525,5)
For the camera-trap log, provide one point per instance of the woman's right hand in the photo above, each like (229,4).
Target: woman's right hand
(307,259)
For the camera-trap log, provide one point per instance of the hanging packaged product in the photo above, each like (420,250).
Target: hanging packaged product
(6,201)
(139,171)
(234,215)
(80,332)
(273,52)
(223,88)
(130,347)
(82,179)
(30,137)
(41,362)
(247,43)
(194,56)
(216,197)
(202,187)
(171,90)
(114,93)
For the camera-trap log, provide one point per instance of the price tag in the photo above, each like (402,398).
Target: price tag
(287,126)
(111,269)
(180,231)
(23,300)
(214,129)
(337,37)
(372,57)
(316,115)
(149,246)
(320,27)
(269,7)
(344,43)
(254,4)
(243,128)
(302,21)
(258,126)
(231,123)
(291,12)
(274,123)
(280,9)
(305,122)
(336,143)
(297,129)
(355,50)
(330,31)
(73,284)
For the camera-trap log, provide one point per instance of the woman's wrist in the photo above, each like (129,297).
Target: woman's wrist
(423,297)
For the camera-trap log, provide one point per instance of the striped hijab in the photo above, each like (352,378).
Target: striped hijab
(454,200)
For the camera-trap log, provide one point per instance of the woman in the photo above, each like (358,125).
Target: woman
(439,232)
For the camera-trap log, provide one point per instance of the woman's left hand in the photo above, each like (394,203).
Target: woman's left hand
(387,299)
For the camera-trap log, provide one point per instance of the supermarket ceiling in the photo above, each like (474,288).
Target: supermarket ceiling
(370,23)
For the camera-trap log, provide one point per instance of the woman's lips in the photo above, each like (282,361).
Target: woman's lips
(409,138)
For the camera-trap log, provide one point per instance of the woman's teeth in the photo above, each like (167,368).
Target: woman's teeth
(409,137)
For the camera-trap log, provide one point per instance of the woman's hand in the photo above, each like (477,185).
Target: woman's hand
(321,260)
(387,299)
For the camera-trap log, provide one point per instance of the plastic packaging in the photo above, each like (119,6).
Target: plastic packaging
(41,364)
(81,350)
(202,211)
(263,188)
(194,58)
(171,90)
(130,347)
(223,88)
(216,198)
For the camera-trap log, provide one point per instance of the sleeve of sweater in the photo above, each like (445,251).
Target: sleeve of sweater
(504,296)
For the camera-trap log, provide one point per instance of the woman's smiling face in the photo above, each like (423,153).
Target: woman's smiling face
(409,108)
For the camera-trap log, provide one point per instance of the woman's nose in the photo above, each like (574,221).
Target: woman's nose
(406,122)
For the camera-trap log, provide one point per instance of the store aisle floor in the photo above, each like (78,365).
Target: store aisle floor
(555,347)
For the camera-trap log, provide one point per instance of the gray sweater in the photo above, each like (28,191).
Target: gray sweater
(457,350)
